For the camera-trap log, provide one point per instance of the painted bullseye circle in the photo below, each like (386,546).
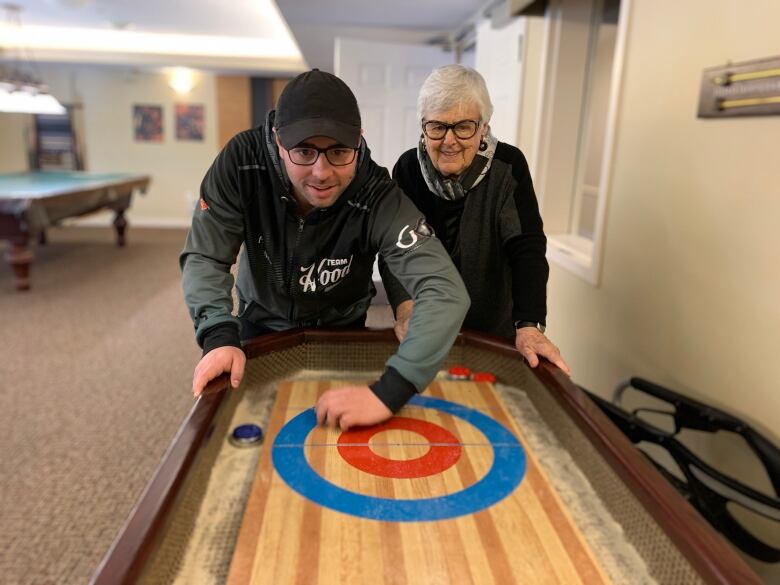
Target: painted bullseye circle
(444,450)
(505,474)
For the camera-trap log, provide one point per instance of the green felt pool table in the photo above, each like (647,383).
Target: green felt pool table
(30,202)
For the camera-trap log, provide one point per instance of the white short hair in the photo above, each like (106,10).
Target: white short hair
(451,85)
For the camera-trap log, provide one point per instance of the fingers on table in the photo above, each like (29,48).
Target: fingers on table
(329,409)
(237,369)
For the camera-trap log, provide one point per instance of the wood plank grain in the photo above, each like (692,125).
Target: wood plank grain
(311,523)
(572,540)
(527,537)
(241,565)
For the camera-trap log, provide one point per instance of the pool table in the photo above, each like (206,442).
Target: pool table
(30,202)
(190,520)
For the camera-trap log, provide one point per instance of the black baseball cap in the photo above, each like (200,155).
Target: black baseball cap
(317,103)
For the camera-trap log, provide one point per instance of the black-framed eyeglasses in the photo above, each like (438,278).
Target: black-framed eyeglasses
(464,129)
(337,155)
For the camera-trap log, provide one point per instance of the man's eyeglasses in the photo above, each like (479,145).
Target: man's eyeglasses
(464,129)
(338,156)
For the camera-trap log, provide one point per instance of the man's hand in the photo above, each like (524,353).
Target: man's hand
(350,406)
(532,343)
(403,313)
(222,359)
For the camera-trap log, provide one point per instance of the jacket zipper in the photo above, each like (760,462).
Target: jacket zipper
(291,285)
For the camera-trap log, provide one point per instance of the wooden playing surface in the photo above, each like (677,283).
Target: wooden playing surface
(285,538)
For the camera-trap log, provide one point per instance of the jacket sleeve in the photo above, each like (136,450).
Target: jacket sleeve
(212,245)
(522,232)
(396,293)
(423,268)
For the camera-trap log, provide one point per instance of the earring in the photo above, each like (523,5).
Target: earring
(482,145)
(422,143)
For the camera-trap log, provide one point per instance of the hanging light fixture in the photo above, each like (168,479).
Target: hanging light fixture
(20,91)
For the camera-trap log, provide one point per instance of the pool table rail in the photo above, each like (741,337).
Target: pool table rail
(27,208)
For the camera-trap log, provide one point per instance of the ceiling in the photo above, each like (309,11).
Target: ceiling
(249,35)
(404,14)
(201,17)
(316,24)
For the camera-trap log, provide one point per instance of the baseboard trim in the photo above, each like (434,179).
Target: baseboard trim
(106,220)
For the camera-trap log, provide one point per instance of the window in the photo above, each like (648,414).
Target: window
(583,59)
(56,146)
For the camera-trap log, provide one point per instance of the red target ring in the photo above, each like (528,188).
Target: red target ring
(444,451)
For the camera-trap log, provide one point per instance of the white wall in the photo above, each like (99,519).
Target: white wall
(691,279)
(108,95)
(690,287)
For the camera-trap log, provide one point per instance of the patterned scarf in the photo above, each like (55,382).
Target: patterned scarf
(457,187)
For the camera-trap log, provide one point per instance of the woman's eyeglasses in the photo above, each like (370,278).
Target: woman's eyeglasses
(464,129)
(338,156)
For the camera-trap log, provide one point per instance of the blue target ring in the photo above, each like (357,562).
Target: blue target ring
(506,473)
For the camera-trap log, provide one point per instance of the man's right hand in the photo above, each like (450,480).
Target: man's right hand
(222,359)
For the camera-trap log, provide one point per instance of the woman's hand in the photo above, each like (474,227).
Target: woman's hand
(403,313)
(532,343)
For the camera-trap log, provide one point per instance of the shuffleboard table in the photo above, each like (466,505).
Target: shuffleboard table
(517,480)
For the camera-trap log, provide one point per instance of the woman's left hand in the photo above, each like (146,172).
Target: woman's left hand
(403,313)
(532,343)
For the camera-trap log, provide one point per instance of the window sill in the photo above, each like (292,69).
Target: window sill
(575,254)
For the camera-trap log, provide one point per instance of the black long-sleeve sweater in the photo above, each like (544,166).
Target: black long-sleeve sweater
(496,239)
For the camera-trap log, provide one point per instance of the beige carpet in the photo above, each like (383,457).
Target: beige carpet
(95,367)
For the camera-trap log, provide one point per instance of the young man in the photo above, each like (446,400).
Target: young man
(312,210)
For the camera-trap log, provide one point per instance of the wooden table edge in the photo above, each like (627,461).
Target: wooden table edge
(717,562)
(702,546)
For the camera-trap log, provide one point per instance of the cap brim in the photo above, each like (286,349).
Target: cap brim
(291,135)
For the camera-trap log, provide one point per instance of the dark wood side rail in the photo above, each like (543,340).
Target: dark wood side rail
(124,561)
(707,551)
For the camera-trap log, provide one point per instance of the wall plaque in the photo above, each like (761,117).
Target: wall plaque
(750,88)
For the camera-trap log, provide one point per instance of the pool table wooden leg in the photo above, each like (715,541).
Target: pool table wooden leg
(19,257)
(120,223)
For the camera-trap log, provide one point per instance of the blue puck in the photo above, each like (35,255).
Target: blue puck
(246,435)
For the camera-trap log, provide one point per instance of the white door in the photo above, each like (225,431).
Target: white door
(386,78)
(500,61)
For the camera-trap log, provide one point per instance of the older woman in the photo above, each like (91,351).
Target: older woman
(477,195)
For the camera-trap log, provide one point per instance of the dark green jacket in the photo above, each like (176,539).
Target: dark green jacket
(316,270)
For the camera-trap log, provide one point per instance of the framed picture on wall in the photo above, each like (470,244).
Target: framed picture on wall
(189,121)
(148,123)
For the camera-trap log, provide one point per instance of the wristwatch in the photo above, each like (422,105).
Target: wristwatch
(523,324)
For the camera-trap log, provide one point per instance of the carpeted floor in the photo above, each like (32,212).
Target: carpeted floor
(96,363)
(95,367)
